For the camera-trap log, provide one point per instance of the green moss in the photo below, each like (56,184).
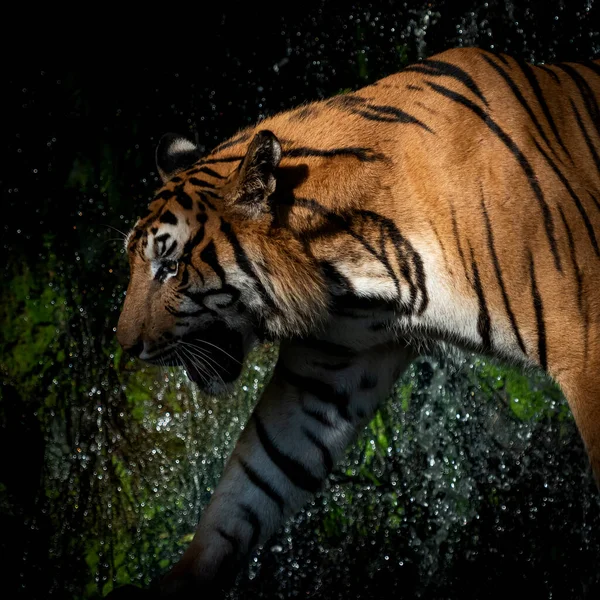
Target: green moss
(404,393)
(33,317)
(332,526)
(378,427)
(530,398)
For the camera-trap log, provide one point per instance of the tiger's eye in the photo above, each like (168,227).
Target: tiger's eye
(171,266)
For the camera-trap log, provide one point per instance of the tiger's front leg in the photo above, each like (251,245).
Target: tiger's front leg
(321,394)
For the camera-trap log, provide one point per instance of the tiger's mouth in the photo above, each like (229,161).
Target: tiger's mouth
(212,357)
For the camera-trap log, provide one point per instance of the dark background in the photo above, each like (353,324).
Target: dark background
(78,144)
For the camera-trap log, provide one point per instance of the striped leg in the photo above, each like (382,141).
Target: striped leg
(320,395)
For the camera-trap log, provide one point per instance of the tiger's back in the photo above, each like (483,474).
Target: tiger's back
(458,200)
(491,167)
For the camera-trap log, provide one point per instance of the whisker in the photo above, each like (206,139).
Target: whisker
(221,349)
(200,360)
(111,241)
(197,361)
(201,352)
(117,230)
(183,362)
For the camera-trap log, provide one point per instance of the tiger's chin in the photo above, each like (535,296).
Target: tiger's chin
(213,358)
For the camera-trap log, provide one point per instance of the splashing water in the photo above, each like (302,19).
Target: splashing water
(471,478)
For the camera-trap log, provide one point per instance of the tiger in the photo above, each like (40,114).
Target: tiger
(455,202)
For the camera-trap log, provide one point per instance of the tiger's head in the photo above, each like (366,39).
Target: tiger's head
(211,268)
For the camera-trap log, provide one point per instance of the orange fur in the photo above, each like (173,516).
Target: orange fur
(497,187)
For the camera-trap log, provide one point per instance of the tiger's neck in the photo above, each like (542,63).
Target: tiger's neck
(384,261)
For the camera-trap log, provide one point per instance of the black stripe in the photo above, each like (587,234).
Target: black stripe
(333,366)
(165,194)
(201,183)
(586,92)
(327,347)
(160,242)
(251,517)
(498,271)
(197,272)
(578,275)
(209,256)
(361,413)
(388,228)
(586,136)
(388,114)
(440,242)
(574,197)
(539,316)
(380,325)
(484,322)
(368,381)
(168,217)
(593,66)
(361,154)
(187,313)
(356,224)
(347,101)
(335,277)
(228,565)
(265,486)
(184,277)
(216,160)
(246,266)
(325,453)
(303,113)
(519,156)
(183,199)
(295,471)
(170,249)
(529,73)
(134,238)
(212,194)
(550,72)
(579,281)
(458,244)
(519,96)
(320,417)
(192,243)
(225,290)
(210,172)
(324,392)
(235,543)
(439,68)
(206,201)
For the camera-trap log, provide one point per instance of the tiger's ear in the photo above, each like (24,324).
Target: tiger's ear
(175,153)
(254,180)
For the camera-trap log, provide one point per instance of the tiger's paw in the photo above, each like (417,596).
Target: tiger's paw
(201,573)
